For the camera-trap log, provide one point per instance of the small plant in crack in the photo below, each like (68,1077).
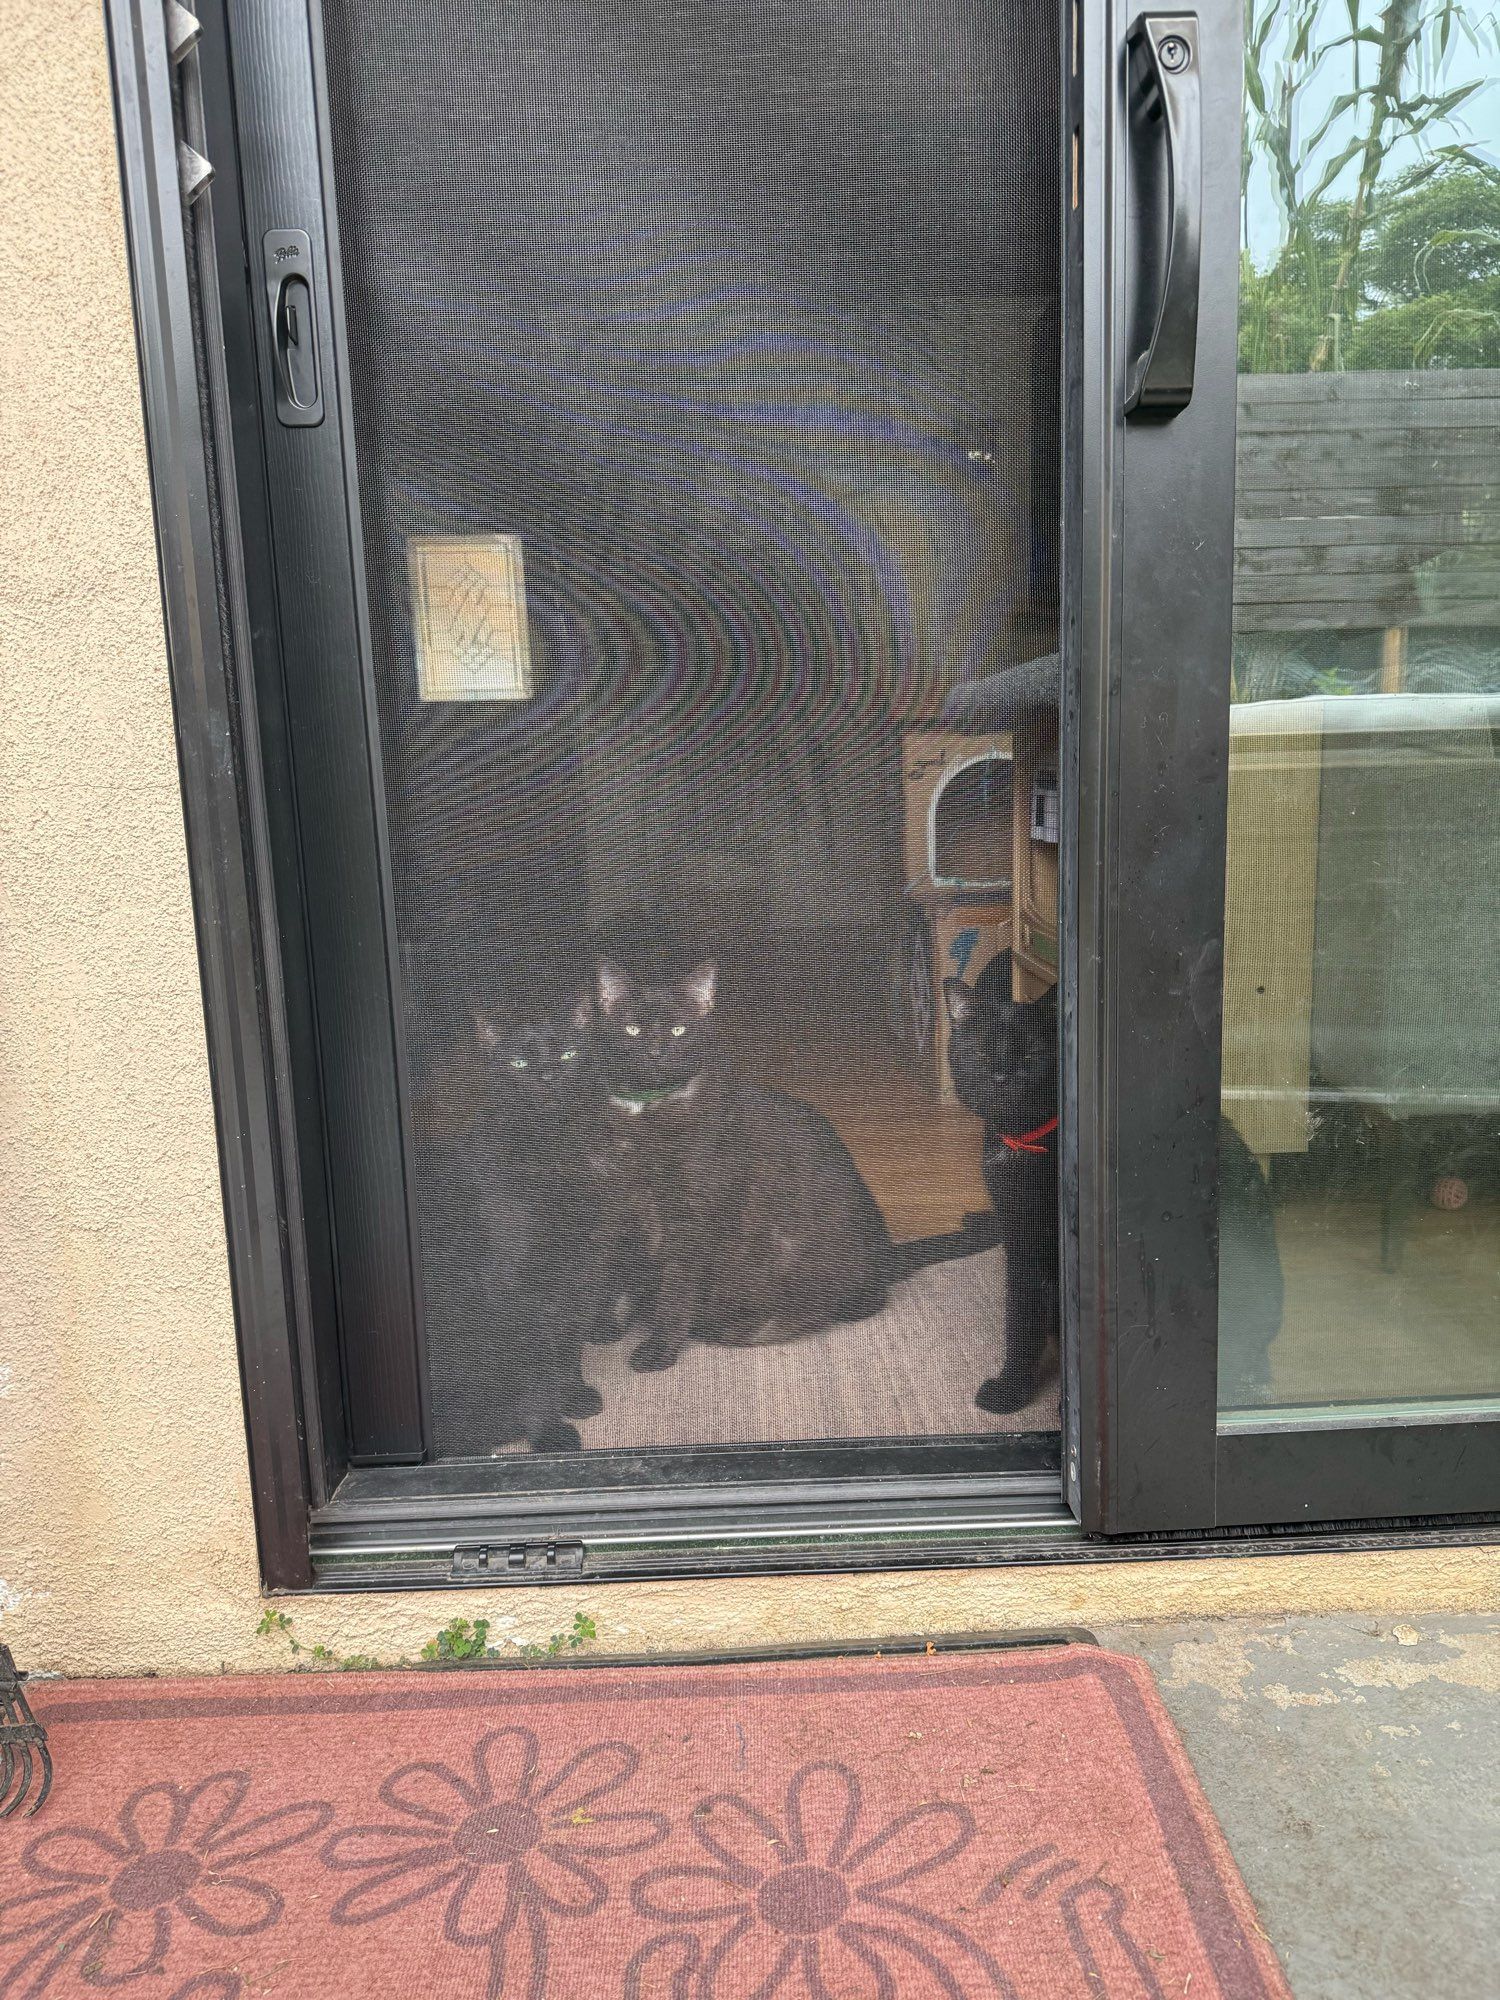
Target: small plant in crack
(573,1640)
(461,1641)
(278,1625)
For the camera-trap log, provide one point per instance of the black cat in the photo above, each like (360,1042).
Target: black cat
(1002,1054)
(741,1205)
(515,1278)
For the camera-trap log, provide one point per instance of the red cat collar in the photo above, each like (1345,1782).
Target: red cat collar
(1027,1141)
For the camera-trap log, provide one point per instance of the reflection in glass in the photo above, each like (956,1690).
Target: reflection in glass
(1362,923)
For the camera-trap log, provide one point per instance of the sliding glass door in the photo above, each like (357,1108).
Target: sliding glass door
(1362,1054)
(843,963)
(1304,579)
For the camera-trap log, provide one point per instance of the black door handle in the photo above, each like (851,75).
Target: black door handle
(294,327)
(1166,172)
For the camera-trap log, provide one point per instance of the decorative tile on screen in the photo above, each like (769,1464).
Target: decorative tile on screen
(468,596)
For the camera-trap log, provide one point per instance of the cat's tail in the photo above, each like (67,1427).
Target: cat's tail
(979,1232)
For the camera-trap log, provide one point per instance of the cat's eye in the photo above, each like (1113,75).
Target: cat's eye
(631,1028)
(568,1054)
(679,1029)
(518,1062)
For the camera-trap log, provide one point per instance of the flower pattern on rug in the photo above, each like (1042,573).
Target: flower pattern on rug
(809,1905)
(108,1902)
(507,1849)
(1094,1915)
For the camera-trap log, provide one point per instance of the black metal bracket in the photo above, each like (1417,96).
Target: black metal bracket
(23,1744)
(486,1562)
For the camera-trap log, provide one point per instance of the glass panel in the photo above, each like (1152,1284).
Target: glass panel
(705,372)
(1360,1150)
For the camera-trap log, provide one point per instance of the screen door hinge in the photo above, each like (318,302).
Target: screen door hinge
(548,1558)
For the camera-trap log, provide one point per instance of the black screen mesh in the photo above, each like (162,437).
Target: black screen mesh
(741,325)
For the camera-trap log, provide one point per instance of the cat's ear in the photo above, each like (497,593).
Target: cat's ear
(959,1000)
(701,986)
(487,1030)
(581,1013)
(612,985)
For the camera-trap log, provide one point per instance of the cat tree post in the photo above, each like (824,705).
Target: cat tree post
(959,804)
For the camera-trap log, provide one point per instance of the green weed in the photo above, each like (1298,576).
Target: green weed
(458,1642)
(578,1635)
(277,1625)
(461,1641)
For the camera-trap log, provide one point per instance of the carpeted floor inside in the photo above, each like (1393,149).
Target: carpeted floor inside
(909,1371)
(1021,1823)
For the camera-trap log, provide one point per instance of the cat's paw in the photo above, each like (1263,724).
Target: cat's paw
(580,1400)
(614,1324)
(557,1437)
(1003,1395)
(653,1355)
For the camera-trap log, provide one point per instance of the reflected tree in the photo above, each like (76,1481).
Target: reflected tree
(1388,211)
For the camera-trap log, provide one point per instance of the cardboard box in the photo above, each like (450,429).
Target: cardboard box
(963,936)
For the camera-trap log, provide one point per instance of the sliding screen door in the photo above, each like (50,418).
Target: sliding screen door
(661,411)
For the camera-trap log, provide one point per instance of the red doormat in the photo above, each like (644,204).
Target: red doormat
(1021,1823)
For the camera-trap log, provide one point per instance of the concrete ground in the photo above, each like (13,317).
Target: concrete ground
(1354,1764)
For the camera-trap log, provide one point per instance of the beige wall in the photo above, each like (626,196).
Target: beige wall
(125,1532)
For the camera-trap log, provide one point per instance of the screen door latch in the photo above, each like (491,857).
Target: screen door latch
(1166,165)
(294,326)
(544,1558)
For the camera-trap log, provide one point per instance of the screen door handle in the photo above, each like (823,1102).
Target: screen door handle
(294,327)
(1166,139)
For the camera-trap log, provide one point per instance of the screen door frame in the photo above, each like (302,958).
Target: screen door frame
(265,123)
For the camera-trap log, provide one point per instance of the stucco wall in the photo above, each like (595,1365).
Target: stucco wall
(125,1531)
